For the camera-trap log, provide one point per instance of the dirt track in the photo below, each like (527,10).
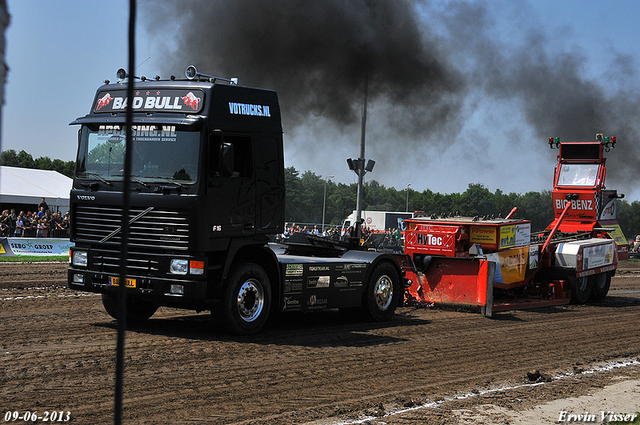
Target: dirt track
(58,350)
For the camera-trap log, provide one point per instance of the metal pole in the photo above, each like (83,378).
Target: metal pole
(122,296)
(324,201)
(360,167)
(407,207)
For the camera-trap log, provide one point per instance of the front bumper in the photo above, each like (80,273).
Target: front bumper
(160,290)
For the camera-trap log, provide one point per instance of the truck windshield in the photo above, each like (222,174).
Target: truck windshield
(160,153)
(578,175)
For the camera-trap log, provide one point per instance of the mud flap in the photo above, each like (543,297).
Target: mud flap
(487,309)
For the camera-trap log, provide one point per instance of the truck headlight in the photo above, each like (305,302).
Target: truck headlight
(179,266)
(79,258)
(183,267)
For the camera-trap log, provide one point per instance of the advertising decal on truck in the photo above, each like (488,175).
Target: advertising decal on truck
(150,101)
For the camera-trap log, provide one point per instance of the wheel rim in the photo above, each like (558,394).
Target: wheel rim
(383,292)
(600,280)
(250,301)
(583,283)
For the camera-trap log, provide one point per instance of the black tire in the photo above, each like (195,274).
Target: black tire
(138,310)
(601,284)
(581,288)
(246,300)
(382,293)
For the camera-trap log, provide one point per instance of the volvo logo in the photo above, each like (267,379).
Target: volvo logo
(86,197)
(171,230)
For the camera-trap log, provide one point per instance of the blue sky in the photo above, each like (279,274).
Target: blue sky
(59,52)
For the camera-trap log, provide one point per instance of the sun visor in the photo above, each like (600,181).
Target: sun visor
(155,119)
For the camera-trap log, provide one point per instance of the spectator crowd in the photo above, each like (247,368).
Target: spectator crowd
(391,236)
(37,224)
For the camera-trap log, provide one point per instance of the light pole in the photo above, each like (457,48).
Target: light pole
(407,208)
(324,201)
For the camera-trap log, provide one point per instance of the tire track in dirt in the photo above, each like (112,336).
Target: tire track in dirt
(58,353)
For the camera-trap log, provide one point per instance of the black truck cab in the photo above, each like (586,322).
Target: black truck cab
(207,192)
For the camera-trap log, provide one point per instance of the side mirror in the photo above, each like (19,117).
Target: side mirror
(215,153)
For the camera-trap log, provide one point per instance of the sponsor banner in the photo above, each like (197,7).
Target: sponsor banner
(582,208)
(35,246)
(151,100)
(249,109)
(597,256)
(432,239)
(484,235)
(507,237)
(514,265)
(617,234)
(5,248)
(139,133)
(609,210)
(523,234)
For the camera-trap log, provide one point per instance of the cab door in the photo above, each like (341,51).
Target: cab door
(232,188)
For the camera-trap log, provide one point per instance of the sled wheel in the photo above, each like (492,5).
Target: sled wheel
(138,311)
(246,300)
(580,289)
(382,292)
(601,284)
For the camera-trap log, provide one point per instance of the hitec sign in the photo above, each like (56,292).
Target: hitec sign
(432,239)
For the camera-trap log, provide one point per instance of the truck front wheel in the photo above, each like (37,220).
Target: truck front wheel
(581,288)
(383,290)
(138,310)
(246,300)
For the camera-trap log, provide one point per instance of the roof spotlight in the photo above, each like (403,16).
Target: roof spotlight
(122,74)
(191,72)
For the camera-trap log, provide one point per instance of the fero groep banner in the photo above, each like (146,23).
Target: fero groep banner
(34,246)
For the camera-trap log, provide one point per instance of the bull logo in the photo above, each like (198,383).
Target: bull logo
(104,101)
(191,100)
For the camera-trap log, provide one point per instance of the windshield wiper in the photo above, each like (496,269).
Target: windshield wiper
(137,180)
(98,176)
(134,178)
(167,179)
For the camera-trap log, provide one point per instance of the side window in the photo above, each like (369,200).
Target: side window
(267,162)
(242,155)
(231,156)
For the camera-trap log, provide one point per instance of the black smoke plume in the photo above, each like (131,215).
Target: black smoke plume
(423,63)
(318,54)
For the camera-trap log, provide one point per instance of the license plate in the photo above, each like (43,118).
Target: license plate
(131,283)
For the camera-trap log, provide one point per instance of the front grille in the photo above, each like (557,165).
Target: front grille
(108,261)
(157,228)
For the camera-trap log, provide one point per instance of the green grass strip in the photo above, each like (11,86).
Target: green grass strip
(34,259)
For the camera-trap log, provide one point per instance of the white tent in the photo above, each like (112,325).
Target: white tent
(28,186)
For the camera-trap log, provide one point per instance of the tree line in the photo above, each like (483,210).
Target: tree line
(23,159)
(305,199)
(306,202)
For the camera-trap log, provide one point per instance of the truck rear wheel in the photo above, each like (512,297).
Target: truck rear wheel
(382,293)
(138,311)
(246,300)
(601,284)
(581,288)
